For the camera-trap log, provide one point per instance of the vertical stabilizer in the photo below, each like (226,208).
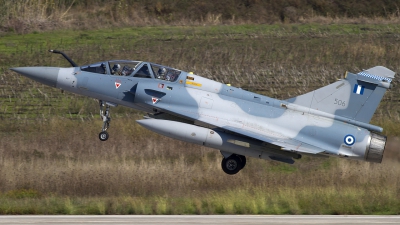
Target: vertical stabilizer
(356,97)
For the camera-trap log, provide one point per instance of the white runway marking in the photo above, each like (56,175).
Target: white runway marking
(203,219)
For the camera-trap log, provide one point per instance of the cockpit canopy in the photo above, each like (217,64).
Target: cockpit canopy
(133,69)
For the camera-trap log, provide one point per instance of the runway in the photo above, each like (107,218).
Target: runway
(195,219)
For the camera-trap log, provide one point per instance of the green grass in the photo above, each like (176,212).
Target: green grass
(11,43)
(235,201)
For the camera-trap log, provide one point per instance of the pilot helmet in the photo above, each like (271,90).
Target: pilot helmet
(116,67)
(161,72)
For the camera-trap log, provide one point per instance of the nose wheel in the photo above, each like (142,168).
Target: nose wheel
(103,136)
(105,116)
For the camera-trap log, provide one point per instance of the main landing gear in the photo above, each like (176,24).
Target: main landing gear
(233,164)
(105,115)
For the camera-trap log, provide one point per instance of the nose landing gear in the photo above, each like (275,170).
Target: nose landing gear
(105,115)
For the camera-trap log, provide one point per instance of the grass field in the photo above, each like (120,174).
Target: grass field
(51,161)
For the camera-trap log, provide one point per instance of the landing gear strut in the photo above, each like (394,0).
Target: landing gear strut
(233,164)
(105,115)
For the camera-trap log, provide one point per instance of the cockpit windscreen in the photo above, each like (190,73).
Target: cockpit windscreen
(133,69)
(165,73)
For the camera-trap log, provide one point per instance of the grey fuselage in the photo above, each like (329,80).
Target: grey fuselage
(198,97)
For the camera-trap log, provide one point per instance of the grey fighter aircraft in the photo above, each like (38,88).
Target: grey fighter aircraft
(330,121)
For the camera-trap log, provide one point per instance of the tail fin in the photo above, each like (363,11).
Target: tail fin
(356,97)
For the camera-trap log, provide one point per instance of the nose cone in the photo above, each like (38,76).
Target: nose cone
(45,75)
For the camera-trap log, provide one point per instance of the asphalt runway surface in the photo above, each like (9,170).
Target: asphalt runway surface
(204,219)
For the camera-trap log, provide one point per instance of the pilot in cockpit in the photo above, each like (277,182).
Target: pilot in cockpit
(161,73)
(115,69)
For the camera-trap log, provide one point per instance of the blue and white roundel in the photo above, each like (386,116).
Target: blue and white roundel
(349,140)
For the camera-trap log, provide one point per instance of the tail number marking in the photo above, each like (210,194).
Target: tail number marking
(340,102)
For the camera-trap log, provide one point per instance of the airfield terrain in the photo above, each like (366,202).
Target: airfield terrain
(51,161)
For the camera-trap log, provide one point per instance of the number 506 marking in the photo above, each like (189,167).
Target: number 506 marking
(340,102)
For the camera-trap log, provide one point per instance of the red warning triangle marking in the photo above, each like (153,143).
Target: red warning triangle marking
(117,83)
(154,100)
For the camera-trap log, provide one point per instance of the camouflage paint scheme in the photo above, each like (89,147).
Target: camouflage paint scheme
(331,121)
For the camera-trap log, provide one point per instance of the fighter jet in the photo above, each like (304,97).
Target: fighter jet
(330,121)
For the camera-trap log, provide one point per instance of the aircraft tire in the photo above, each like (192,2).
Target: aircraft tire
(103,136)
(232,164)
(243,159)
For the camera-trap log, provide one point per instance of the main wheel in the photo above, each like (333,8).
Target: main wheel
(232,164)
(103,136)
(243,158)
